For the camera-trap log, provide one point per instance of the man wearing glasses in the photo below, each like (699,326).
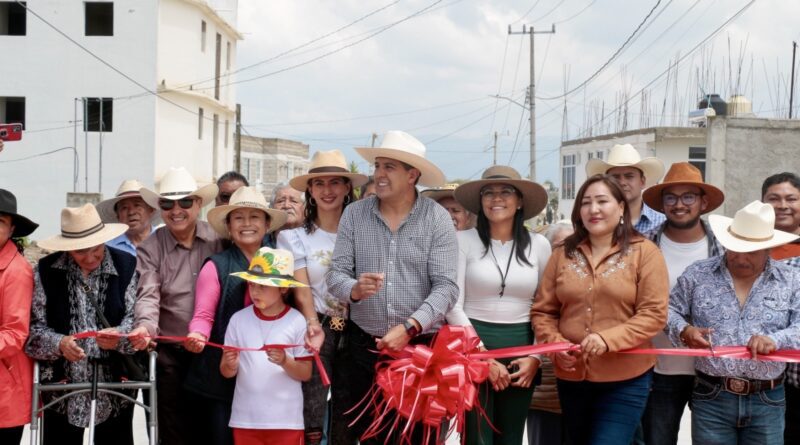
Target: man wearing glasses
(168,263)
(684,238)
(228,183)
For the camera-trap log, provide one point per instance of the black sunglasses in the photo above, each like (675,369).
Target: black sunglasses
(225,197)
(168,204)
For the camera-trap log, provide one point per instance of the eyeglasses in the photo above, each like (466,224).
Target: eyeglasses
(504,193)
(687,199)
(225,197)
(168,204)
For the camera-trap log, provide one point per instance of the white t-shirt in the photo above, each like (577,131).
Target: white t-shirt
(314,252)
(678,257)
(266,398)
(479,280)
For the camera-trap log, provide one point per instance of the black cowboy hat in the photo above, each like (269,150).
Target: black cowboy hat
(8,206)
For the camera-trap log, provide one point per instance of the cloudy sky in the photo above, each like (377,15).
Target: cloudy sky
(332,73)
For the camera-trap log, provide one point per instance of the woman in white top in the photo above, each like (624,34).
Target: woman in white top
(499,265)
(328,188)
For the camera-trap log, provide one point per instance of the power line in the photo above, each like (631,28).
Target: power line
(523,16)
(576,14)
(548,12)
(611,59)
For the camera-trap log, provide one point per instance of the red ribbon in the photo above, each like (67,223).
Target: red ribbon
(323,375)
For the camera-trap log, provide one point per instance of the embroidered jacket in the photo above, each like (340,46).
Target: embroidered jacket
(624,300)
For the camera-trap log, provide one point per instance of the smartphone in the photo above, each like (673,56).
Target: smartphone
(10,132)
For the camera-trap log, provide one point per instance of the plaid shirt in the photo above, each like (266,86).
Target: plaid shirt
(649,219)
(714,247)
(793,369)
(419,263)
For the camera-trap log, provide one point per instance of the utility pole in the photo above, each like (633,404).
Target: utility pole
(791,90)
(532,92)
(494,149)
(237,139)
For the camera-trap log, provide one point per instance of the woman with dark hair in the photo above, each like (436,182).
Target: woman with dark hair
(16,292)
(499,265)
(328,188)
(606,290)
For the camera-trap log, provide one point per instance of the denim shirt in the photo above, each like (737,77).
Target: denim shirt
(705,297)
(649,220)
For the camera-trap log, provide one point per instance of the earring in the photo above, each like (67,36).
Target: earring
(621,221)
(347,199)
(312,202)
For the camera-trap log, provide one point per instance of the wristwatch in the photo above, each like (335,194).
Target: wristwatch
(411,329)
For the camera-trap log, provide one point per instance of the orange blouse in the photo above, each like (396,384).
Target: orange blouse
(624,301)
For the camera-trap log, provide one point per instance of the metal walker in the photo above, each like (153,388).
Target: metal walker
(93,388)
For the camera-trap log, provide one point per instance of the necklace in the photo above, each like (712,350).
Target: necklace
(503,276)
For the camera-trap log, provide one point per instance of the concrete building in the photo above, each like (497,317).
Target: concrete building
(266,162)
(734,153)
(183,50)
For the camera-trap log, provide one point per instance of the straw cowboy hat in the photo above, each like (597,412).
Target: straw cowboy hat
(683,173)
(82,228)
(177,184)
(128,189)
(327,163)
(627,156)
(271,267)
(8,206)
(245,198)
(751,229)
(438,193)
(534,196)
(403,147)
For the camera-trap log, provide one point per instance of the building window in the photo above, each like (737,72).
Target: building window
(228,56)
(568,176)
(99,18)
(245,169)
(98,114)
(289,169)
(200,124)
(259,176)
(589,156)
(697,157)
(599,155)
(12,110)
(13,19)
(203,35)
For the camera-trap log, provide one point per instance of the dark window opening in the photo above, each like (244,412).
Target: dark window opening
(99,18)
(91,116)
(13,19)
(697,157)
(12,110)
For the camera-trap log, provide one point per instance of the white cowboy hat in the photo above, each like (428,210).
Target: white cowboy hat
(534,196)
(751,229)
(327,163)
(627,156)
(82,228)
(403,147)
(245,198)
(128,189)
(176,184)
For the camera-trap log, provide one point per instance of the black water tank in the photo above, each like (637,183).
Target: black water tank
(720,106)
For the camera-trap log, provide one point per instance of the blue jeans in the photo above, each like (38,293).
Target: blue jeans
(723,418)
(603,413)
(668,399)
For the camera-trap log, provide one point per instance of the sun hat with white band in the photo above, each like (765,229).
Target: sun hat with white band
(128,189)
(82,228)
(625,155)
(177,184)
(403,147)
(327,163)
(245,198)
(751,229)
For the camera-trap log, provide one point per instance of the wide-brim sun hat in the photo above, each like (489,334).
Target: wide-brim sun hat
(751,228)
(245,198)
(683,173)
(130,188)
(177,184)
(403,147)
(8,206)
(534,196)
(327,163)
(82,228)
(439,193)
(625,155)
(271,267)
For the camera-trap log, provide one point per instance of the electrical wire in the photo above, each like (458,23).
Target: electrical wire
(576,14)
(548,12)
(523,16)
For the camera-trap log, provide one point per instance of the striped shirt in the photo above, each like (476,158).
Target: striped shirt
(418,262)
(649,219)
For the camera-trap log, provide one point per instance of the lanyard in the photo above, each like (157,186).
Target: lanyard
(503,276)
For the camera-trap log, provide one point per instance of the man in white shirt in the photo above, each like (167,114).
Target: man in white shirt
(683,238)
